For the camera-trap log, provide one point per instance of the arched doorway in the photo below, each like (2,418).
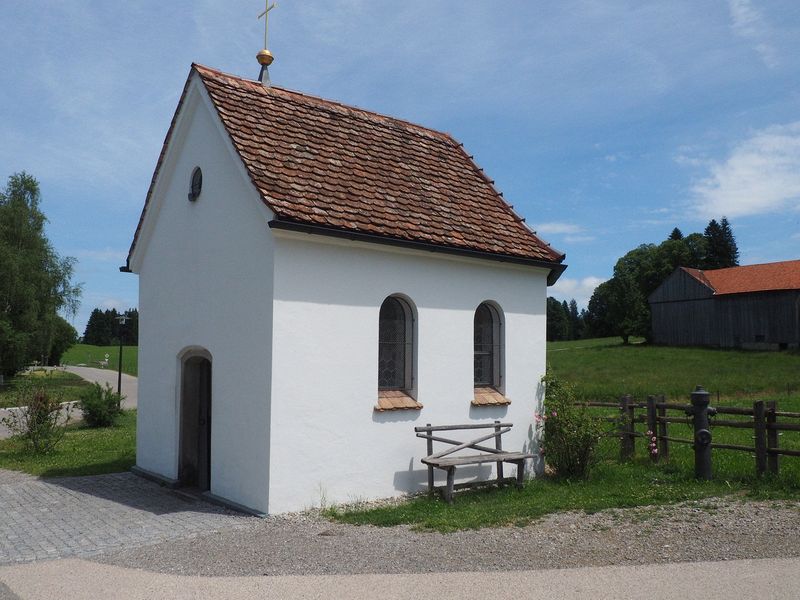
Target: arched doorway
(194,468)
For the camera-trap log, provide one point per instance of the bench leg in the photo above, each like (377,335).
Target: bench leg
(520,473)
(430,479)
(448,493)
(499,473)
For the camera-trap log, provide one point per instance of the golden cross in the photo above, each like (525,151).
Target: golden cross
(265,14)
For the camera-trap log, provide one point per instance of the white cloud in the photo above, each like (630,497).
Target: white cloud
(761,175)
(558,228)
(580,289)
(749,24)
(577,239)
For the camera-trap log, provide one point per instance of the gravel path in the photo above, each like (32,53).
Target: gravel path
(306,544)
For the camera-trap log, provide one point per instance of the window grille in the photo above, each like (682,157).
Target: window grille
(394,345)
(487,347)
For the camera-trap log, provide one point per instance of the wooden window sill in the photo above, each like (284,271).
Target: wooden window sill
(395,400)
(486,396)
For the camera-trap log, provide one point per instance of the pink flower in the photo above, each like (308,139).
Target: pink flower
(655,450)
(649,432)
(555,414)
(541,451)
(653,439)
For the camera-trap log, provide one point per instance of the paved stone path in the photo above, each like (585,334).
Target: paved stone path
(83,516)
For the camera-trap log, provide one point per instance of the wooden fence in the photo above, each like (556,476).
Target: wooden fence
(765,420)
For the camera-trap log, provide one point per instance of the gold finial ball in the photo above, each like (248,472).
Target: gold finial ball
(265,57)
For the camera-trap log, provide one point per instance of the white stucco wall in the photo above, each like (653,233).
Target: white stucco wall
(205,271)
(327,442)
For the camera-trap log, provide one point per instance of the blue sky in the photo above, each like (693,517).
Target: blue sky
(606,124)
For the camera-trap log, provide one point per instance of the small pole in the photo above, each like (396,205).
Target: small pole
(498,443)
(773,463)
(702,434)
(663,431)
(652,428)
(760,427)
(430,451)
(627,448)
(122,319)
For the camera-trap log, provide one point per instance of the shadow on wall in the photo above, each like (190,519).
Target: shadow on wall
(484,413)
(536,464)
(416,480)
(395,416)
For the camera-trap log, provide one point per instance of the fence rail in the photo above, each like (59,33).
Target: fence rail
(763,418)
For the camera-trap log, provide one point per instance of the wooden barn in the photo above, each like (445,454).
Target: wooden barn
(754,307)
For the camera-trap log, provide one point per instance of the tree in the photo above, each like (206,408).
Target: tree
(104,329)
(620,307)
(721,251)
(575,321)
(557,321)
(35,282)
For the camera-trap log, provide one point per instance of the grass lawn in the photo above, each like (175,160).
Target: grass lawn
(92,355)
(67,384)
(605,369)
(611,485)
(83,451)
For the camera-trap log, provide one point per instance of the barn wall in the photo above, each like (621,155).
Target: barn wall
(688,323)
(205,281)
(682,312)
(328,444)
(763,320)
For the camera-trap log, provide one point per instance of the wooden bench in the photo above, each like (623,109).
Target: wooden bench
(445,461)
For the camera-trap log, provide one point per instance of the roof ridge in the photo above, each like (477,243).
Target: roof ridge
(442,135)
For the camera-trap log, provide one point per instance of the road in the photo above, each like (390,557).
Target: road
(742,579)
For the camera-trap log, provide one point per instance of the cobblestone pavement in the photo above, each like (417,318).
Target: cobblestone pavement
(84,516)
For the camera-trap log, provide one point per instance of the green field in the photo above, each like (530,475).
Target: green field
(68,385)
(83,451)
(92,355)
(606,369)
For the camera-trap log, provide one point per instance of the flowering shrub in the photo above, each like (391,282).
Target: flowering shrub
(570,433)
(652,443)
(40,419)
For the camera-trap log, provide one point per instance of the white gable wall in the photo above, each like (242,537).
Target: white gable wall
(327,443)
(205,272)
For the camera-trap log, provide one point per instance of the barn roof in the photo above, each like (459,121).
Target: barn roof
(750,278)
(325,167)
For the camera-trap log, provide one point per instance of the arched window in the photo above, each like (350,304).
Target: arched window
(488,347)
(395,345)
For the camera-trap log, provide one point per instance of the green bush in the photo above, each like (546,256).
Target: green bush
(40,419)
(100,406)
(570,433)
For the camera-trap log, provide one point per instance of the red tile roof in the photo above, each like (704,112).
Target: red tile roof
(320,163)
(750,278)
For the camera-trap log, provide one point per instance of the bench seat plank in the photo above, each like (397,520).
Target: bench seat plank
(474,459)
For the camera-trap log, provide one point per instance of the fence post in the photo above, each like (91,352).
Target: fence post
(627,439)
(430,467)
(652,428)
(663,432)
(702,434)
(498,443)
(773,464)
(760,428)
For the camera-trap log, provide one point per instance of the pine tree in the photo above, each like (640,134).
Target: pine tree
(676,234)
(721,250)
(730,255)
